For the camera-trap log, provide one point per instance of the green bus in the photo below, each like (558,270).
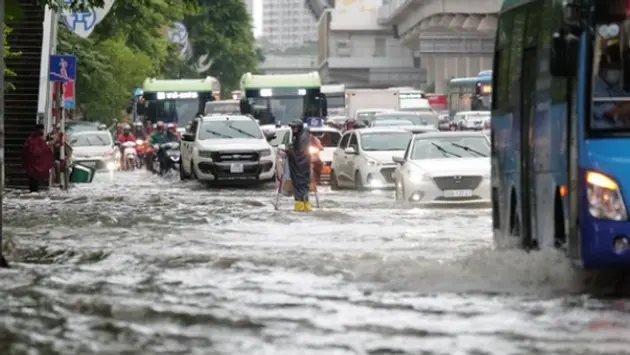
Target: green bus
(280,99)
(176,101)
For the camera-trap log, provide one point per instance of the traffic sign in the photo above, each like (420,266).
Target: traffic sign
(63,68)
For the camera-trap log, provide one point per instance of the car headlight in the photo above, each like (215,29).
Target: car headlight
(265,153)
(139,141)
(417,175)
(205,154)
(373,163)
(313,150)
(604,197)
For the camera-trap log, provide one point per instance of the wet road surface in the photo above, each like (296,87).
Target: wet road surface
(140,265)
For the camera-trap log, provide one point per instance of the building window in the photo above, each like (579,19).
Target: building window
(380,46)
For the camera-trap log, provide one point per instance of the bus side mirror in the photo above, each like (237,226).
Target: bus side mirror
(245,107)
(563,60)
(324,105)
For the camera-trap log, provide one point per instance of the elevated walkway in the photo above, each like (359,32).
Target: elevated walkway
(318,7)
(452,38)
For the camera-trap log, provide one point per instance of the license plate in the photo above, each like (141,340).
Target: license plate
(458,193)
(237,168)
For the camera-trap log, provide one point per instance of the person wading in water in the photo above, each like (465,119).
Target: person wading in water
(37,158)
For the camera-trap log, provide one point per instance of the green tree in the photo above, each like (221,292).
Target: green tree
(128,46)
(223,30)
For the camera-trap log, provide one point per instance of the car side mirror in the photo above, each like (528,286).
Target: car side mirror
(187,137)
(270,136)
(398,160)
(350,150)
(282,147)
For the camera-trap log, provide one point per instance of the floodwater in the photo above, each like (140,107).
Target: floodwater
(142,265)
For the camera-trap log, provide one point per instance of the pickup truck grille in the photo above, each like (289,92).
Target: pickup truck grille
(235,156)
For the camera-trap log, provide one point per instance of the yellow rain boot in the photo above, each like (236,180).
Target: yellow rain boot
(307,206)
(298,206)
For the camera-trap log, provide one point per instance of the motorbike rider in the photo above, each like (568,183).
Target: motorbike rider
(126,136)
(300,166)
(171,132)
(159,137)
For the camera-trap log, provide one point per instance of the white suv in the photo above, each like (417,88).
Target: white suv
(363,159)
(227,149)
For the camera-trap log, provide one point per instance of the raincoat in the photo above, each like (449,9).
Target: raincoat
(158,137)
(37,157)
(126,138)
(299,160)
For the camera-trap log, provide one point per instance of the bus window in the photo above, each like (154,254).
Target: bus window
(611,97)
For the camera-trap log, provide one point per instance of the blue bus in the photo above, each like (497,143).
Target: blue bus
(470,94)
(561,129)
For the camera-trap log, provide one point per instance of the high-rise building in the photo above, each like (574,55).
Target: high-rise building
(250,8)
(288,23)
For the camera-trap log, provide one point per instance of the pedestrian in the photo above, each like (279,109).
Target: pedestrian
(37,158)
(300,166)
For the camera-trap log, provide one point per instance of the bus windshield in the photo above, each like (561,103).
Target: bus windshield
(611,76)
(283,109)
(180,111)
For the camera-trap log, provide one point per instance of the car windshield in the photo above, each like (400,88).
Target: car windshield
(328,139)
(91,140)
(477,118)
(391,123)
(450,147)
(227,129)
(282,137)
(366,117)
(385,141)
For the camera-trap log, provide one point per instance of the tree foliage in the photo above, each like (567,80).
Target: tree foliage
(222,29)
(130,44)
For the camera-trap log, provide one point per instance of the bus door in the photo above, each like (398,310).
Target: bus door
(528,109)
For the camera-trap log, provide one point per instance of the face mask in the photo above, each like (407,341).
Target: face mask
(613,76)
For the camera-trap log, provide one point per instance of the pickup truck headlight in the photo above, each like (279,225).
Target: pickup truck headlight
(604,197)
(372,162)
(205,154)
(265,153)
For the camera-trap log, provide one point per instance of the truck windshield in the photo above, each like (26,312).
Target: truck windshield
(611,75)
(336,100)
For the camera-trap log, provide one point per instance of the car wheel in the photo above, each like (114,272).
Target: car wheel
(358,181)
(193,174)
(182,174)
(334,183)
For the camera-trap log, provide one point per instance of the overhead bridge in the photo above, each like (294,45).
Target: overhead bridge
(317,7)
(453,38)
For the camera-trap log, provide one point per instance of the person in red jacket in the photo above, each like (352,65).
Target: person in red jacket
(126,136)
(37,158)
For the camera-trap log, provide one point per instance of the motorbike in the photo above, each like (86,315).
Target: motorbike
(172,159)
(130,155)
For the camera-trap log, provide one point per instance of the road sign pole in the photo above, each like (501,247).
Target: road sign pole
(3,261)
(62,145)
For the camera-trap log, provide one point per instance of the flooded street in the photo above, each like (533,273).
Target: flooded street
(141,265)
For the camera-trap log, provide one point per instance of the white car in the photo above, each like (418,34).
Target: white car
(471,120)
(441,168)
(363,158)
(95,149)
(282,135)
(367,115)
(329,138)
(228,149)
